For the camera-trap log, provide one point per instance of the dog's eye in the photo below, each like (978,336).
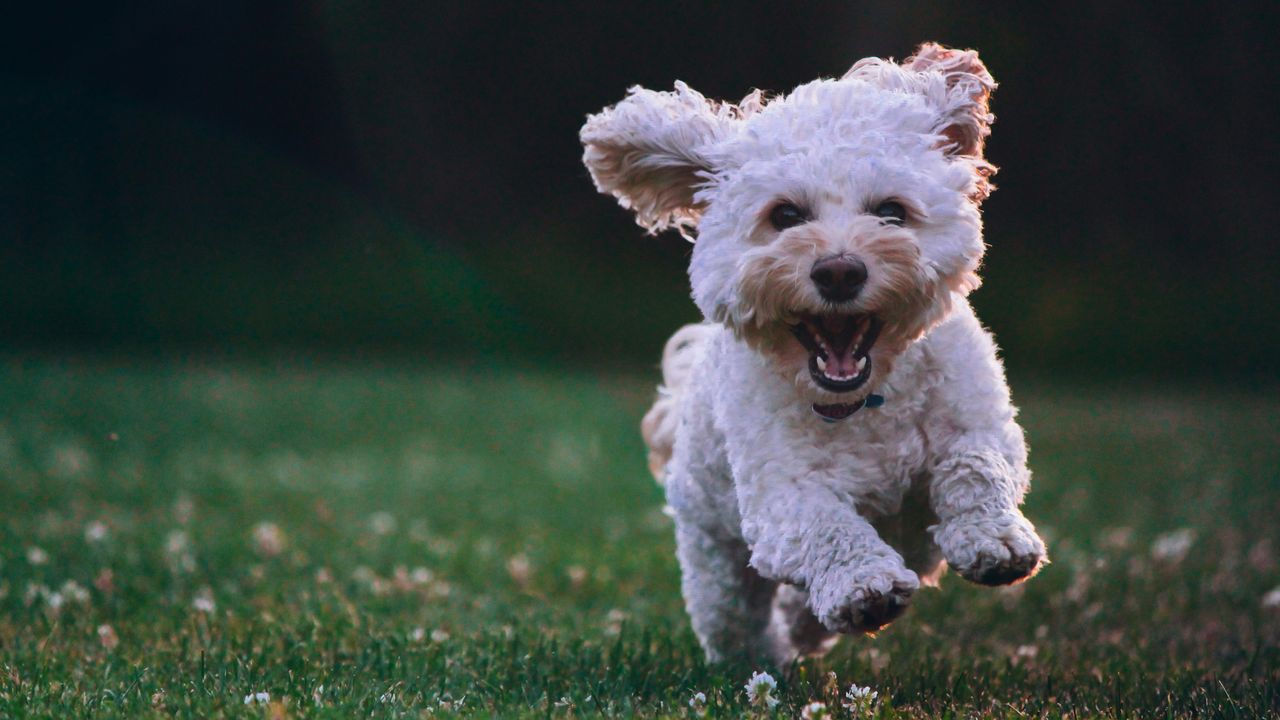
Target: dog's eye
(786,216)
(891,211)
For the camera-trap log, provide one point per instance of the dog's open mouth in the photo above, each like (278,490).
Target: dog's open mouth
(839,347)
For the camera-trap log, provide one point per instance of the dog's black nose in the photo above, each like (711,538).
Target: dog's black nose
(839,277)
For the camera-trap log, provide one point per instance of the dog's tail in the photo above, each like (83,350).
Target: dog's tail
(660,423)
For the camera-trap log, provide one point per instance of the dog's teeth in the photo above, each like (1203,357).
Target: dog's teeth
(822,364)
(862,364)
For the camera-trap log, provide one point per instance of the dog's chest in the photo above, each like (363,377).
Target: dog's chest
(874,457)
(871,459)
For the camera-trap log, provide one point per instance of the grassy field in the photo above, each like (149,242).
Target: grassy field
(391,541)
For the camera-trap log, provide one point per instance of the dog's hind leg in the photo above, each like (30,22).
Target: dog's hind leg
(794,631)
(729,603)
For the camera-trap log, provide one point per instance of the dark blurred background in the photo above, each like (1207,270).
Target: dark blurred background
(404,177)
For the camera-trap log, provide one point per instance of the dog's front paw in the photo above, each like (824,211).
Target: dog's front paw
(866,600)
(996,549)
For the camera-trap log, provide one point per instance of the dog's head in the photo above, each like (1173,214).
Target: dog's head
(834,225)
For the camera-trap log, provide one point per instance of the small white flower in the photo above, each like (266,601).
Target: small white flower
(203,601)
(1172,547)
(268,539)
(760,690)
(613,621)
(859,699)
(176,542)
(438,589)
(519,569)
(75,592)
(37,556)
(364,576)
(1272,599)
(447,703)
(257,698)
(34,592)
(439,636)
(698,704)
(815,711)
(177,549)
(108,637)
(382,523)
(95,532)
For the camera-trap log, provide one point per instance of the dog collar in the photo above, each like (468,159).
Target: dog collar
(841,411)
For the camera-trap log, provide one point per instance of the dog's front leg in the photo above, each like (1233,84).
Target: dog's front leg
(802,532)
(981,532)
(979,464)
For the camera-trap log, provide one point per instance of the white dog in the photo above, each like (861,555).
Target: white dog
(840,426)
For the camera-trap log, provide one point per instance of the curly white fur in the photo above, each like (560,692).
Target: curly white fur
(789,528)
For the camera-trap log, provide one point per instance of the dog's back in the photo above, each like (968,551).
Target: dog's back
(659,425)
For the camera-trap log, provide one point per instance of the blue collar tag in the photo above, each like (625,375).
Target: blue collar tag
(873,401)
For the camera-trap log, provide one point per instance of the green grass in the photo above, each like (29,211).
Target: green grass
(487,542)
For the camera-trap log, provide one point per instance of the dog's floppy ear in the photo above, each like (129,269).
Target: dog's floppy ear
(957,85)
(649,151)
(967,117)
